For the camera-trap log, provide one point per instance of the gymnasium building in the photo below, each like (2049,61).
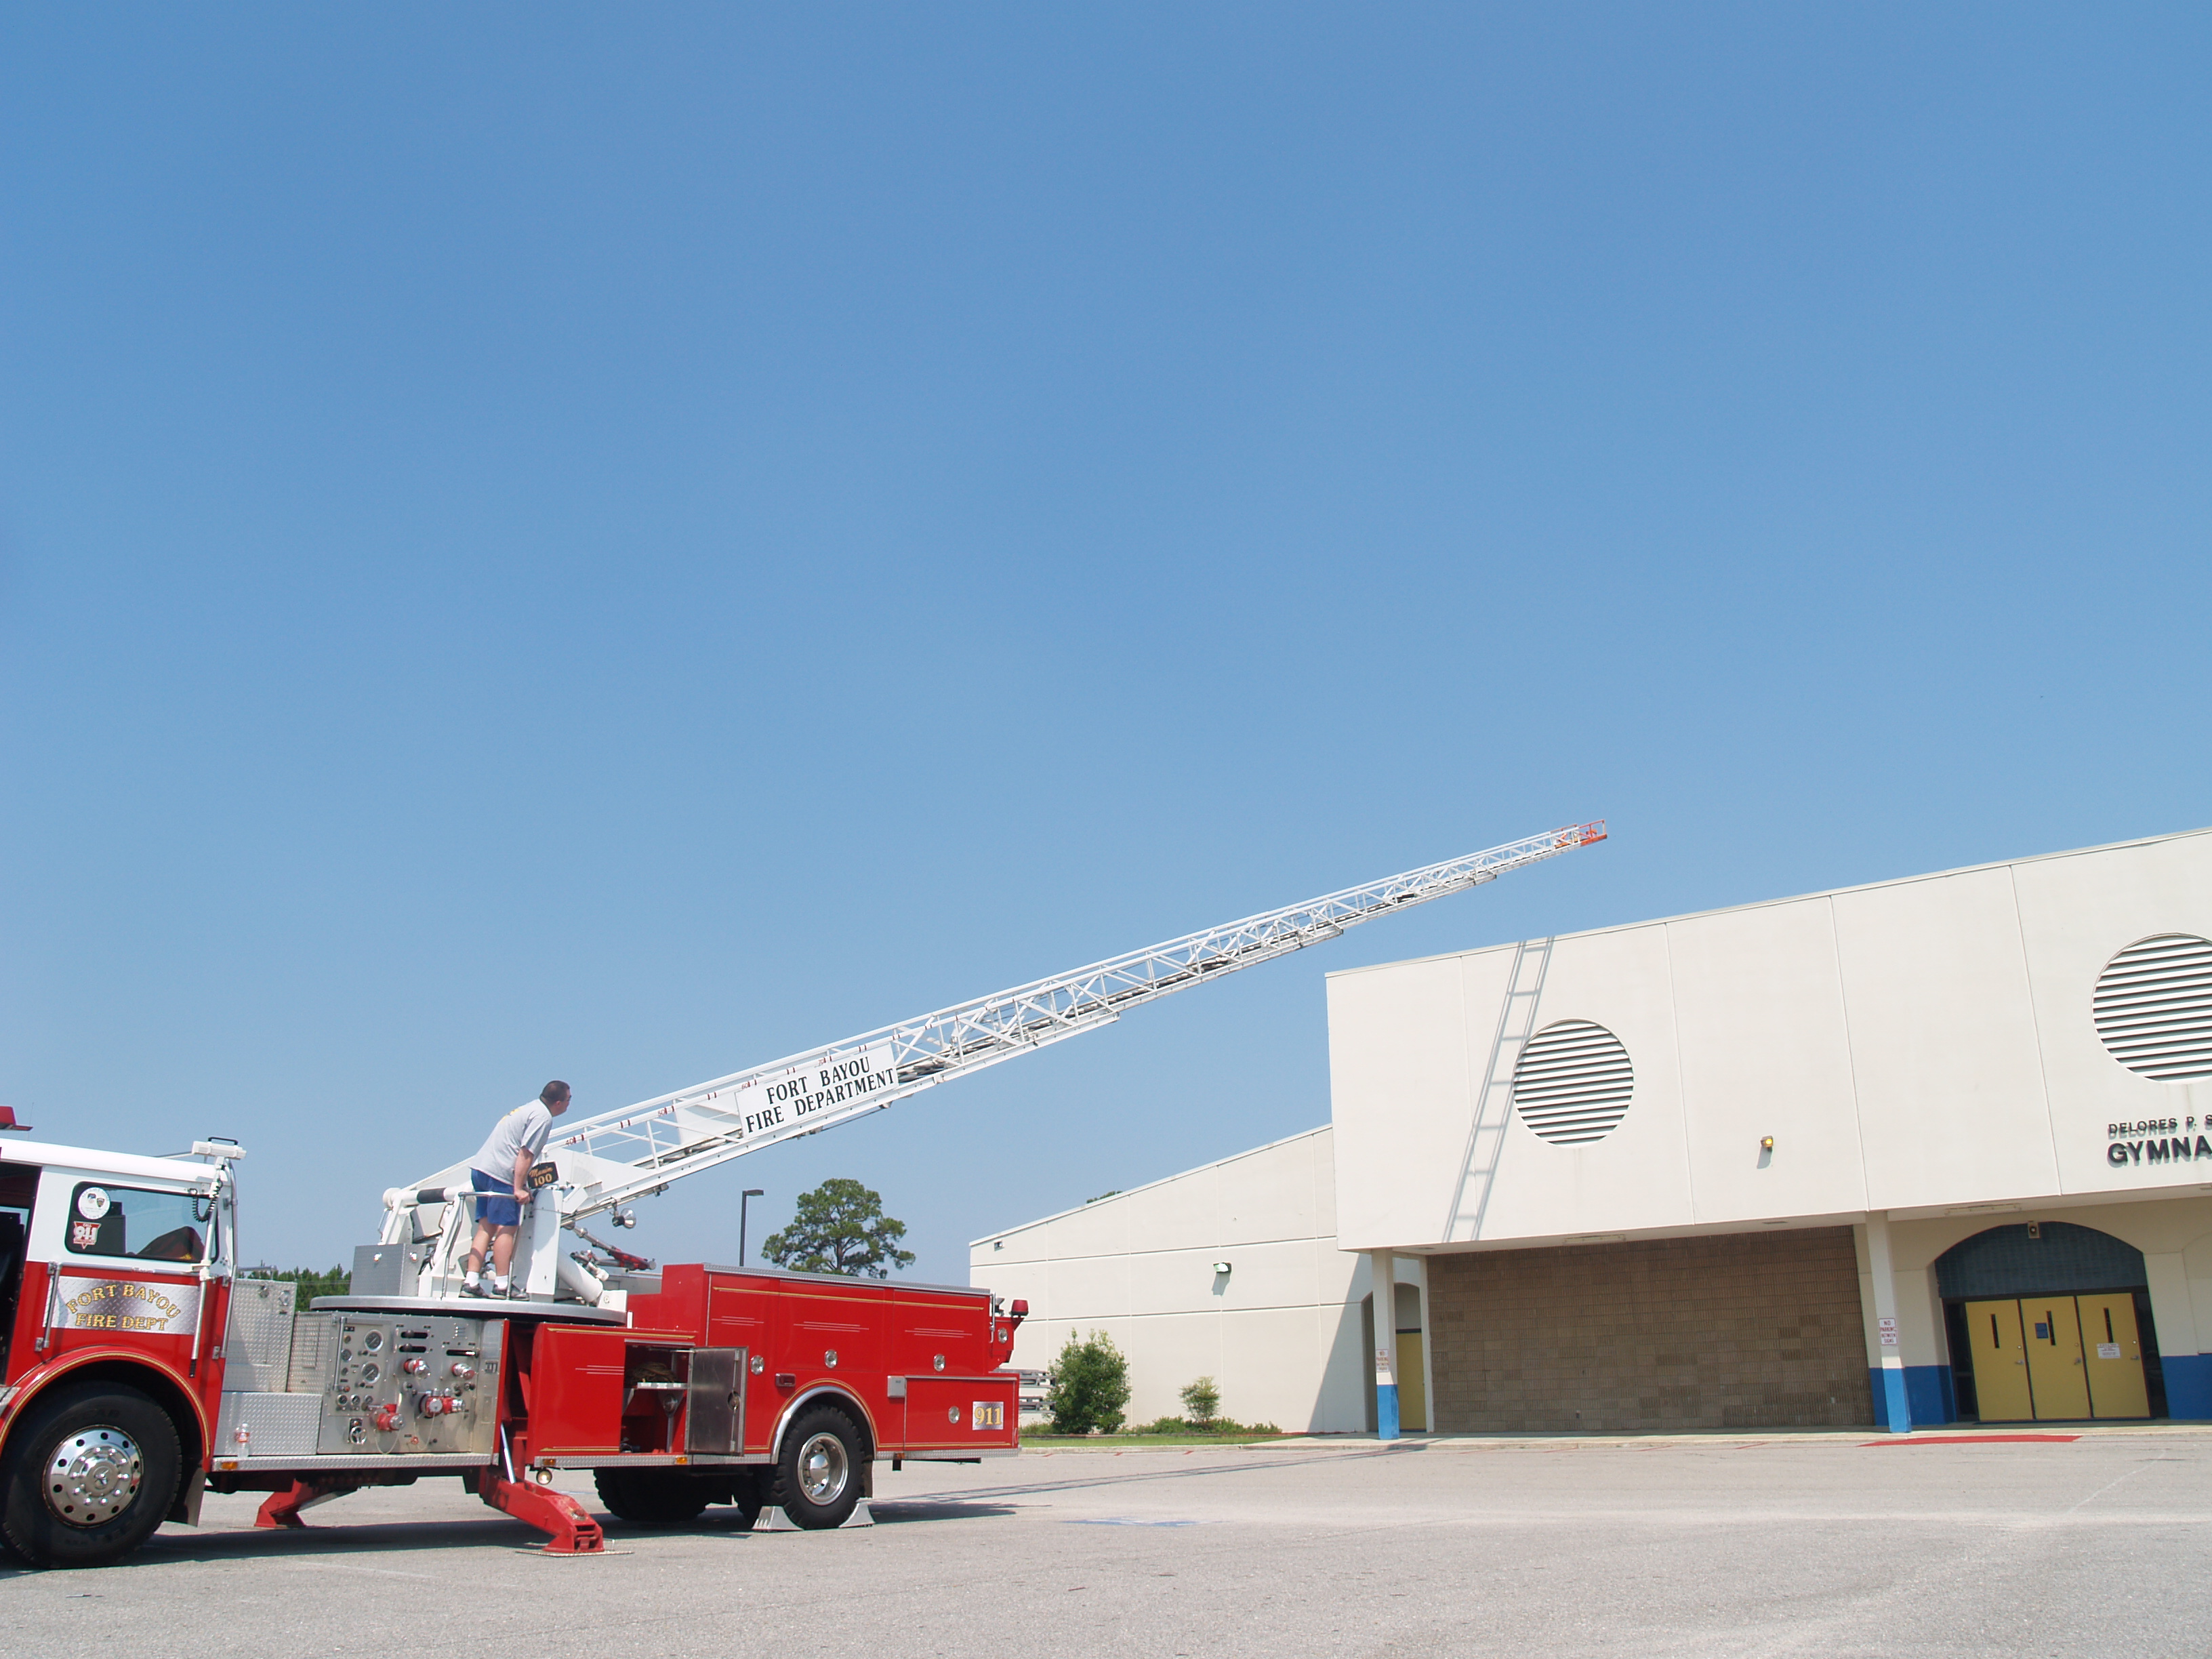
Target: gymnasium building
(1927,1150)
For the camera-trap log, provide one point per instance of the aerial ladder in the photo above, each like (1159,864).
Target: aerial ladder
(602,1165)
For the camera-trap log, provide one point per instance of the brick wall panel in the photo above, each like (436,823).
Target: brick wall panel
(1749,1330)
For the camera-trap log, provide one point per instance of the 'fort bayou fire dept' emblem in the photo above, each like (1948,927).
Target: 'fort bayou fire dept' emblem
(127,1304)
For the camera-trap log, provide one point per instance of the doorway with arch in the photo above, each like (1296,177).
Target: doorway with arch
(2050,1321)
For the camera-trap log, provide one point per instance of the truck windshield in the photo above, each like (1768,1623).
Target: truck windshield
(137,1222)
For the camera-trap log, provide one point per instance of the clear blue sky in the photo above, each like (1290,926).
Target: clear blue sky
(622,543)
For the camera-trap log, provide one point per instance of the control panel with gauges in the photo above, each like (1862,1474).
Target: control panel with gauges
(411,1385)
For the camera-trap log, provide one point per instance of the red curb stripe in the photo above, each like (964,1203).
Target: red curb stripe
(1967,1439)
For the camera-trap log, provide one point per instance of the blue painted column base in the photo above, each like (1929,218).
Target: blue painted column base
(1928,1395)
(1386,1411)
(2188,1385)
(1897,1417)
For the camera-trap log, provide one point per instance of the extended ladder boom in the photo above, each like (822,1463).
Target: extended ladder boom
(640,1149)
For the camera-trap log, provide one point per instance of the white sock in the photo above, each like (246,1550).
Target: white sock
(471,1281)
(499,1283)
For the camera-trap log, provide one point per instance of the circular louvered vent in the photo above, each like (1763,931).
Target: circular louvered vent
(1573,1082)
(2153,1007)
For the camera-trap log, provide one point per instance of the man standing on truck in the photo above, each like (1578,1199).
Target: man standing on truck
(501,1174)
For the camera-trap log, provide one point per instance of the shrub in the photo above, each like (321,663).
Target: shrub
(1228,1428)
(1202,1399)
(1089,1386)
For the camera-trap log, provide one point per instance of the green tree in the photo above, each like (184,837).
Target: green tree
(840,1228)
(1089,1386)
(1202,1399)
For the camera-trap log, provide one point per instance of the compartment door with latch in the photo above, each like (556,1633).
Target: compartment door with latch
(714,1402)
(960,1413)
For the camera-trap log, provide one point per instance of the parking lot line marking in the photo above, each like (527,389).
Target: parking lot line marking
(1967,1439)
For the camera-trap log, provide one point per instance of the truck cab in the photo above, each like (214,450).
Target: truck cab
(115,1272)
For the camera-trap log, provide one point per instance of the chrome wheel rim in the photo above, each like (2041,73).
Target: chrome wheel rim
(93,1475)
(822,1468)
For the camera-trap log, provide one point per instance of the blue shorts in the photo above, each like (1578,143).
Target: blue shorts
(495,1200)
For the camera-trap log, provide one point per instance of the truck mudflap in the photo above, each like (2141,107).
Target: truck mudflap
(573,1532)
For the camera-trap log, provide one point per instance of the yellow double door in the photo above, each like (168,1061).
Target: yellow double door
(2038,1358)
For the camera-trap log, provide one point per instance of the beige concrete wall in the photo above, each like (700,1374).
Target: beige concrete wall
(1916,1045)
(1279,1332)
(1921,1048)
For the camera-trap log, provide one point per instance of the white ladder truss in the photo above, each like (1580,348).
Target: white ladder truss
(607,1161)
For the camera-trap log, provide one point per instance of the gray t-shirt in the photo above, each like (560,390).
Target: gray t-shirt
(525,1129)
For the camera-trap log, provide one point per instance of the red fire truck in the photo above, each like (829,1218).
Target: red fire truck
(138,1370)
(141,1372)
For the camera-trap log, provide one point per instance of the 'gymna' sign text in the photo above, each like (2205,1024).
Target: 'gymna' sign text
(2158,1144)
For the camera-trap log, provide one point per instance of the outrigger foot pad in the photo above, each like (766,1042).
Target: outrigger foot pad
(282,1508)
(574,1530)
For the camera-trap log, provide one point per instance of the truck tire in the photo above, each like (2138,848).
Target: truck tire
(817,1474)
(88,1476)
(651,1497)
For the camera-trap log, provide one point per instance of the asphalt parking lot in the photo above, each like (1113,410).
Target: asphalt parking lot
(1810,1545)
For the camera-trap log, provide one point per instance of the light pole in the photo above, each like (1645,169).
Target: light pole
(750,1193)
